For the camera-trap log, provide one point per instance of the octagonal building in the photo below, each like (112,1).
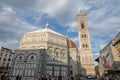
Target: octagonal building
(48,51)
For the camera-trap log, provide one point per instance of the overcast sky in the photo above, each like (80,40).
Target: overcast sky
(20,16)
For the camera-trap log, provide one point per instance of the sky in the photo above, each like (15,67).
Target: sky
(20,16)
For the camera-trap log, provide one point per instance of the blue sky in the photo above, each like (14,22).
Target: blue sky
(20,16)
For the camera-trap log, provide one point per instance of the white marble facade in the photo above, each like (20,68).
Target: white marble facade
(29,64)
(28,61)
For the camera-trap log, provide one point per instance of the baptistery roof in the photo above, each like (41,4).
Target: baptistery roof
(43,37)
(38,38)
(48,30)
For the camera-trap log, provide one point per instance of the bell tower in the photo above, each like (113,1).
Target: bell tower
(86,58)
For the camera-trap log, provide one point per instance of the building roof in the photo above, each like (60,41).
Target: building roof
(116,40)
(6,49)
(71,44)
(46,29)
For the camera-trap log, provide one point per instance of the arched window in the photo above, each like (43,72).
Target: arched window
(85,35)
(83,45)
(82,25)
(30,65)
(50,52)
(82,36)
(63,56)
(18,65)
(57,54)
(32,56)
(86,45)
(20,57)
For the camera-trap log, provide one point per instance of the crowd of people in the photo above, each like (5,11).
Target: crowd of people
(6,77)
(47,77)
(108,77)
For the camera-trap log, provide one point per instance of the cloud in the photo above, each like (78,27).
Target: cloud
(63,10)
(21,4)
(52,7)
(75,39)
(103,22)
(11,44)
(17,17)
(95,56)
(72,27)
(12,27)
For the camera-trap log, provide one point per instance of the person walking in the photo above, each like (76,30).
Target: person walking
(17,77)
(107,78)
(77,78)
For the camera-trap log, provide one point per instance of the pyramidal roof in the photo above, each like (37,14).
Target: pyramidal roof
(46,29)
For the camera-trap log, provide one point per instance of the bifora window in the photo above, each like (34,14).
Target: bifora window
(83,36)
(83,46)
(86,45)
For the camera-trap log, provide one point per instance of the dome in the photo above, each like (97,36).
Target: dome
(71,44)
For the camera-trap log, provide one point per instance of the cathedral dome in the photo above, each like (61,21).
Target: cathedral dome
(71,44)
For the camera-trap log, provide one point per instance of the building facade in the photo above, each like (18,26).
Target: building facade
(29,64)
(6,56)
(78,65)
(74,61)
(97,70)
(100,66)
(109,57)
(86,58)
(57,54)
(116,43)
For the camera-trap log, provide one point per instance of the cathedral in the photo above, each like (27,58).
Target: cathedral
(44,52)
